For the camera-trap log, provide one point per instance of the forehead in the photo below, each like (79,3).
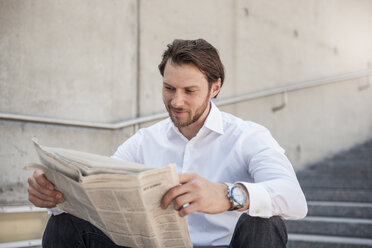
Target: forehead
(183,75)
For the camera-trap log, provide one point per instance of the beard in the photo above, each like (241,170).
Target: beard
(178,122)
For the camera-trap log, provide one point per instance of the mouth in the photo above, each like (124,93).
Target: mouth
(177,112)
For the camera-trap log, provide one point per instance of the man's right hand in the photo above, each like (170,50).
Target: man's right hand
(41,191)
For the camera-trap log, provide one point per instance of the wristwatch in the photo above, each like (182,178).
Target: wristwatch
(236,195)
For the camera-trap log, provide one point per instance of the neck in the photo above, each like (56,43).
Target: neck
(191,130)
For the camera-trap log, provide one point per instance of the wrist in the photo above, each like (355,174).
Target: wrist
(246,205)
(226,204)
(237,196)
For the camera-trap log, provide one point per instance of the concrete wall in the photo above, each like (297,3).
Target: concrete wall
(65,60)
(78,60)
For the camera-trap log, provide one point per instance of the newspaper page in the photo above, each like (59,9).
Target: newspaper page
(124,202)
(168,225)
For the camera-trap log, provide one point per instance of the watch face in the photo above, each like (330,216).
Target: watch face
(238,195)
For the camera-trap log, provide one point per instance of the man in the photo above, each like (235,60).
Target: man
(234,178)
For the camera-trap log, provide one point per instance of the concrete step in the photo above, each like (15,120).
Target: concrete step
(339,195)
(356,158)
(340,209)
(331,226)
(20,226)
(342,195)
(34,243)
(343,162)
(338,170)
(337,182)
(322,241)
(353,155)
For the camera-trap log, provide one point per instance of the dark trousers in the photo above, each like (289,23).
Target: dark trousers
(66,230)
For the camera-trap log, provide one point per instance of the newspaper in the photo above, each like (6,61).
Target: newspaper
(120,198)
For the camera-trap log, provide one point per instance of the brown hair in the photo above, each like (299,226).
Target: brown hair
(197,52)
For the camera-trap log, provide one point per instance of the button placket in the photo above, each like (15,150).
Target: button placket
(187,156)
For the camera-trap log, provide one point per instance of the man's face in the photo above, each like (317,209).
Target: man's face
(186,94)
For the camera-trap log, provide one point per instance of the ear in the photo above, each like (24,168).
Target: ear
(216,87)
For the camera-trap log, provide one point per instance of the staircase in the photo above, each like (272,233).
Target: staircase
(339,195)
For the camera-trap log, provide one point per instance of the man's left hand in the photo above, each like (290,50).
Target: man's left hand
(199,193)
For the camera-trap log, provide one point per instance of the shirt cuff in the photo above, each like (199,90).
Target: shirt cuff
(55,211)
(259,200)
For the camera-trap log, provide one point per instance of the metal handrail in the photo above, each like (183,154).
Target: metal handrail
(295,86)
(222,102)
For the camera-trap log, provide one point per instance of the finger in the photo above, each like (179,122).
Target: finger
(180,201)
(169,196)
(44,194)
(189,209)
(185,187)
(40,188)
(42,180)
(186,177)
(56,197)
(40,203)
(173,193)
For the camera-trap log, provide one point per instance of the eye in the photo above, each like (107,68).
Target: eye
(189,91)
(168,88)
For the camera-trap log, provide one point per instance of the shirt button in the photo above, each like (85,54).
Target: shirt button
(257,211)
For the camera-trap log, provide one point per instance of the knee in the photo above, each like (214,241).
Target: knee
(259,232)
(277,223)
(273,223)
(59,231)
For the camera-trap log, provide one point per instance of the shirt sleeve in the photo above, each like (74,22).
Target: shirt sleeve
(275,190)
(55,211)
(128,151)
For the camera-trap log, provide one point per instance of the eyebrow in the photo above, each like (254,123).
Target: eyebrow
(187,87)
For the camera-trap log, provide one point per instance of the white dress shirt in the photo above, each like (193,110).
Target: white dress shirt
(226,149)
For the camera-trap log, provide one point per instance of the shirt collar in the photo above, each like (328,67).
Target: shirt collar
(214,120)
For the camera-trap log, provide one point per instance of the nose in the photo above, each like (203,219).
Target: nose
(178,100)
